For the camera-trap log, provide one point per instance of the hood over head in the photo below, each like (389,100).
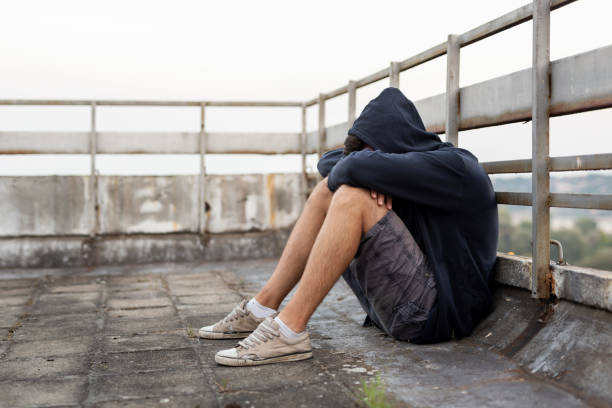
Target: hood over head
(391,123)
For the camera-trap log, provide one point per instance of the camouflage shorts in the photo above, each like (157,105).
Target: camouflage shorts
(392,279)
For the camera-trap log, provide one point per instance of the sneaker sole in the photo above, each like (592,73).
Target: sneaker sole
(237,362)
(218,336)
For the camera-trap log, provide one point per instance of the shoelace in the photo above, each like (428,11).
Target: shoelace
(264,332)
(238,312)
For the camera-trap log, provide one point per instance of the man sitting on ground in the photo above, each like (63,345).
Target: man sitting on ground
(409,221)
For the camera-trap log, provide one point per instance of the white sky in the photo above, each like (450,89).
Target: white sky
(262,50)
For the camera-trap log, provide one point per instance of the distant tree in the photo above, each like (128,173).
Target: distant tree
(600,259)
(521,239)
(585,225)
(574,244)
(584,244)
(506,229)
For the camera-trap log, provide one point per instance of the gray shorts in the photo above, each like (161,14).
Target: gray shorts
(392,279)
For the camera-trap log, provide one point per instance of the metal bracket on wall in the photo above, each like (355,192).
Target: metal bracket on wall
(556,243)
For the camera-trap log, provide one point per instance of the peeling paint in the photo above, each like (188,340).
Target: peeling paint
(151,207)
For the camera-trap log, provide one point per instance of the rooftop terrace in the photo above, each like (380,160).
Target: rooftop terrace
(104,278)
(122,336)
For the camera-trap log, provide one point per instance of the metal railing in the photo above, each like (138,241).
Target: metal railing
(574,84)
(542,104)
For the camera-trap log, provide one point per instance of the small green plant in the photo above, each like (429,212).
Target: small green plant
(223,385)
(373,393)
(191,332)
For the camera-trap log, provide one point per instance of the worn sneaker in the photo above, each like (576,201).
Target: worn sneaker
(236,325)
(266,345)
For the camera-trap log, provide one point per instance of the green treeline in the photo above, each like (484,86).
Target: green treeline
(584,244)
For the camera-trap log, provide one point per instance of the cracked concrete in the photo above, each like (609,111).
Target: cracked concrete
(119,336)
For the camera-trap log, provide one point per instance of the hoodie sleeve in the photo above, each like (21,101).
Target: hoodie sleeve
(329,160)
(432,178)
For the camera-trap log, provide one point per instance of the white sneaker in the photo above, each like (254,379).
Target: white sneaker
(236,325)
(266,345)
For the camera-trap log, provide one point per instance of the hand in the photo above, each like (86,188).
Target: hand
(381,199)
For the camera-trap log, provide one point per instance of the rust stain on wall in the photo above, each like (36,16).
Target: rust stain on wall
(270,189)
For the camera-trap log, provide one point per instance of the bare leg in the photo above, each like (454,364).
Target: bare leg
(293,259)
(351,213)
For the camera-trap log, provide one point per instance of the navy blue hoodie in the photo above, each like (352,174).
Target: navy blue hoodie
(442,195)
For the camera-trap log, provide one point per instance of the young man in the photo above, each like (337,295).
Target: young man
(411,224)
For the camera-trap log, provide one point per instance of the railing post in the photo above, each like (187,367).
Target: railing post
(394,74)
(93,176)
(321,141)
(540,103)
(352,102)
(203,144)
(303,145)
(452,90)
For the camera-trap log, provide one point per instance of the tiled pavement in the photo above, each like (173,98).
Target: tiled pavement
(121,336)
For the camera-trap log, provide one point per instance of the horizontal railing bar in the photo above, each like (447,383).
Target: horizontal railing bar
(565,163)
(481,32)
(502,23)
(580,83)
(337,92)
(311,102)
(585,201)
(504,197)
(376,76)
(59,102)
(254,104)
(370,79)
(423,57)
(151,142)
(507,166)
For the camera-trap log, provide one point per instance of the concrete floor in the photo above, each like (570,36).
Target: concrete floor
(119,336)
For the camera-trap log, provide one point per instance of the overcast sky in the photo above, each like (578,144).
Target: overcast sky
(263,50)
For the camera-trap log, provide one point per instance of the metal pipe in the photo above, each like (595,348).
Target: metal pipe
(423,57)
(504,197)
(304,178)
(394,74)
(321,140)
(556,243)
(203,145)
(370,79)
(507,166)
(585,201)
(352,102)
(452,90)
(336,92)
(54,102)
(565,163)
(93,176)
(502,23)
(540,96)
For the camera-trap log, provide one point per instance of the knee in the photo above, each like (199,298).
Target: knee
(360,203)
(321,195)
(351,196)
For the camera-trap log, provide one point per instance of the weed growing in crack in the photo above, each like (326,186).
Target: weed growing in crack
(373,394)
(223,385)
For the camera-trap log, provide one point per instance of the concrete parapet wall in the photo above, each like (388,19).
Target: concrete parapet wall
(53,252)
(588,286)
(50,205)
(47,220)
(62,206)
